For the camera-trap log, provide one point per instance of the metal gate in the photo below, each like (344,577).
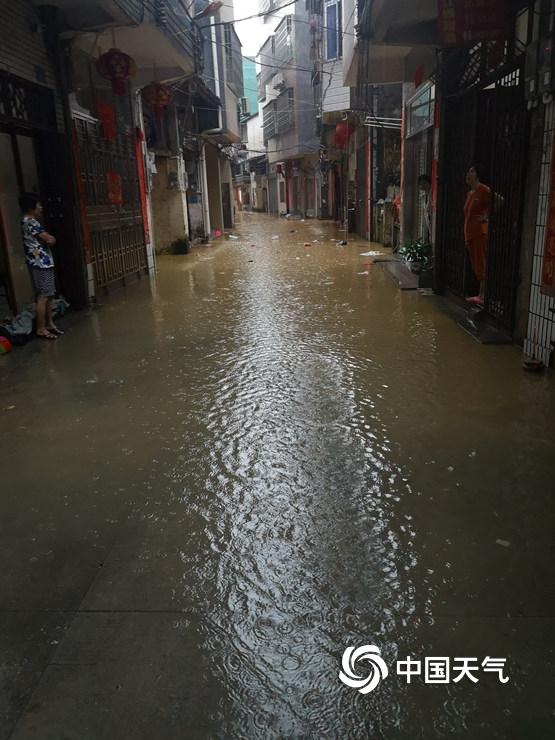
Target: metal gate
(115,219)
(507,131)
(487,124)
(418,161)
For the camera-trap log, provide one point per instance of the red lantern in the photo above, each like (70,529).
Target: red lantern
(157,96)
(343,133)
(117,67)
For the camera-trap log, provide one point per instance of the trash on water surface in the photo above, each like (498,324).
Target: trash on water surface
(371,254)
(275,238)
(342,243)
(232,236)
(503,543)
(366,272)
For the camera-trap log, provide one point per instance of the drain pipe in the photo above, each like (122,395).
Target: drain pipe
(216,69)
(204,192)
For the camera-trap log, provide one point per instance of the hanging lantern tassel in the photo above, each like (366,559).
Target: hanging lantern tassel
(117,67)
(157,96)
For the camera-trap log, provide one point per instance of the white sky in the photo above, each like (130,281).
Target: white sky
(252,33)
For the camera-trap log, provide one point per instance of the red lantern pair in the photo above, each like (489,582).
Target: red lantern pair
(157,96)
(117,67)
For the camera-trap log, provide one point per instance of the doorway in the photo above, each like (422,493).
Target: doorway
(487,125)
(18,174)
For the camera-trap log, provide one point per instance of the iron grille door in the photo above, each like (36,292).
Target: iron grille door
(508,139)
(461,123)
(116,231)
(54,166)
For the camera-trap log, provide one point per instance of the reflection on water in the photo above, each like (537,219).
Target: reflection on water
(333,461)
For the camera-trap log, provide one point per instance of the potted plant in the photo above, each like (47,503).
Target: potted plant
(418,256)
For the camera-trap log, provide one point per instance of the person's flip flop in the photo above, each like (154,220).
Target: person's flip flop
(47,335)
(475,300)
(57,331)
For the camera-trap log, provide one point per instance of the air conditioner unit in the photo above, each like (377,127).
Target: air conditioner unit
(278,82)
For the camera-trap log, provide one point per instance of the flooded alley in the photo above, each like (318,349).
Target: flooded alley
(219,480)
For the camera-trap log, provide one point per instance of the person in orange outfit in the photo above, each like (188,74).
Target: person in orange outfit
(477,210)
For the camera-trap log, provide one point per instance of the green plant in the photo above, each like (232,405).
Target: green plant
(417,251)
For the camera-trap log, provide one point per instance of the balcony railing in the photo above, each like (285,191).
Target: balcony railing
(269,122)
(135,9)
(261,87)
(233,60)
(277,51)
(174,18)
(279,115)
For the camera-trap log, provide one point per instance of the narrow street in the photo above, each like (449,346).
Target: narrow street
(220,479)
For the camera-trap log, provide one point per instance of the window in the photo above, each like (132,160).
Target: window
(420,110)
(333,46)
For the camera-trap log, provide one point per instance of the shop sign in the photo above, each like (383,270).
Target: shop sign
(463,22)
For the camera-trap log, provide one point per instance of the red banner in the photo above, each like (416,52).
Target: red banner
(548,271)
(468,21)
(139,137)
(114,188)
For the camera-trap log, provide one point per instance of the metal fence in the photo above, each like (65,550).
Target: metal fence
(540,339)
(25,103)
(484,121)
(174,17)
(116,231)
(233,60)
(279,115)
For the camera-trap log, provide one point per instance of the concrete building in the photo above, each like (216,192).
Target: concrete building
(288,114)
(491,103)
(223,75)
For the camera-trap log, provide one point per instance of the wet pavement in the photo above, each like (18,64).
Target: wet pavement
(218,481)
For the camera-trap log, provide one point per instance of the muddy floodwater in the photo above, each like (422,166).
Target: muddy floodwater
(220,479)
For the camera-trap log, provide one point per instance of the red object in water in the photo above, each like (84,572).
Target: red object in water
(157,96)
(5,346)
(117,67)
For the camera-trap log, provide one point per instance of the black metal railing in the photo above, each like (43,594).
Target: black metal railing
(173,16)
(135,9)
(26,103)
(233,60)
